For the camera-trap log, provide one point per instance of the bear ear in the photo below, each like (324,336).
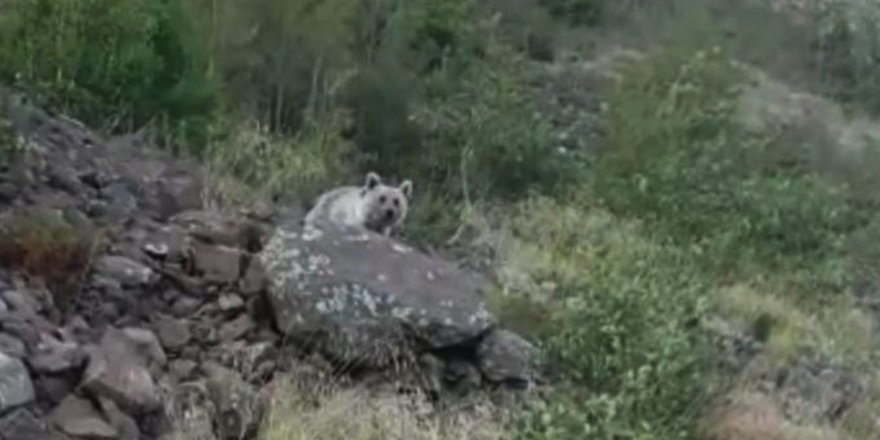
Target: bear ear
(373,180)
(406,188)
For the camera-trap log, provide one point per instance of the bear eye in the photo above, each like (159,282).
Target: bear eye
(382,199)
(396,202)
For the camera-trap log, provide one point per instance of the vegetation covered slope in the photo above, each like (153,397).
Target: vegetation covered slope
(623,259)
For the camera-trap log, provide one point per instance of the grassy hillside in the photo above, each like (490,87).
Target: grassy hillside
(633,256)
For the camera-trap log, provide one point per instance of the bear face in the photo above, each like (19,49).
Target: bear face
(384,206)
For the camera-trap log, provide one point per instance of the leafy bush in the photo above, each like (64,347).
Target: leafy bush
(107,62)
(848,51)
(625,338)
(677,159)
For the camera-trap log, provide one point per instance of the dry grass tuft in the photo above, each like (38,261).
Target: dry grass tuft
(42,244)
(316,412)
(754,417)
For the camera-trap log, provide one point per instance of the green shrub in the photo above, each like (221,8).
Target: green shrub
(848,51)
(625,342)
(107,62)
(677,159)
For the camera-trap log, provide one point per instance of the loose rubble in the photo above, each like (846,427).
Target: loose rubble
(180,303)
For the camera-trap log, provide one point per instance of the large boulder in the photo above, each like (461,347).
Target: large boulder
(365,298)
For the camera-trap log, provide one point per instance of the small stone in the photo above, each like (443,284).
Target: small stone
(127,272)
(12,346)
(254,280)
(22,328)
(121,201)
(65,179)
(174,333)
(206,332)
(57,357)
(217,264)
(185,306)
(505,356)
(236,328)
(117,371)
(182,369)
(263,372)
(259,353)
(190,352)
(16,388)
(147,344)
(126,427)
(177,192)
(21,424)
(231,302)
(79,418)
(20,303)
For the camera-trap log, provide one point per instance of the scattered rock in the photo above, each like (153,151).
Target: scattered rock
(127,272)
(236,328)
(79,418)
(117,371)
(12,346)
(178,192)
(216,264)
(121,201)
(57,357)
(147,344)
(230,302)
(124,425)
(505,356)
(254,280)
(20,303)
(217,228)
(174,333)
(185,306)
(182,369)
(21,424)
(16,388)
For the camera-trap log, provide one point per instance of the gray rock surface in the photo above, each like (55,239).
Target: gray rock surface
(16,388)
(366,296)
(117,371)
(505,356)
(77,417)
(127,272)
(22,424)
(173,333)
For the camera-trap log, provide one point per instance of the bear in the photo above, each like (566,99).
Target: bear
(374,206)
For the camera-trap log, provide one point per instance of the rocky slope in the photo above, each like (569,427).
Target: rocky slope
(172,311)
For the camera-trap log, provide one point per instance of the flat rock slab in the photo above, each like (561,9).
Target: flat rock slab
(365,297)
